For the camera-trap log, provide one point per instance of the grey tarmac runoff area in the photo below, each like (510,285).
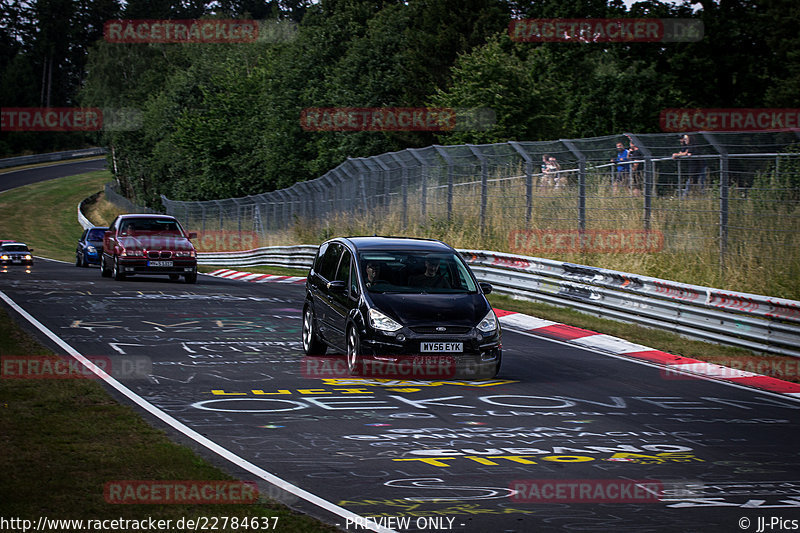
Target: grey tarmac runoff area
(17,178)
(564,439)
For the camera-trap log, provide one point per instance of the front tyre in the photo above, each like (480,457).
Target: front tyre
(191,277)
(104,271)
(312,345)
(116,273)
(353,351)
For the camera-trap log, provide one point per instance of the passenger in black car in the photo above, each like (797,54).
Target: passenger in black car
(431,277)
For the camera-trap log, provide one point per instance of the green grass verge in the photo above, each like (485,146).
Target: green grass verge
(44,215)
(64,439)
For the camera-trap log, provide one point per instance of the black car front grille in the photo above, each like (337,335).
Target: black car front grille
(164,254)
(441,330)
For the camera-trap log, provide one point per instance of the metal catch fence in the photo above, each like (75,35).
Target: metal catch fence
(736,194)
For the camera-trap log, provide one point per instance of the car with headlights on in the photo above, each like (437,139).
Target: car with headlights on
(137,244)
(389,298)
(90,247)
(15,253)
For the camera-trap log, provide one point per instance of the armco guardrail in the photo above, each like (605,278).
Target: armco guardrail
(299,256)
(82,220)
(759,323)
(54,156)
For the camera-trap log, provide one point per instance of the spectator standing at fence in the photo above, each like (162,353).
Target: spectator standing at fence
(621,167)
(695,172)
(546,179)
(553,169)
(635,156)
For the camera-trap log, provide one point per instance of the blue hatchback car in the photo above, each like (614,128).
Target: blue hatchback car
(90,247)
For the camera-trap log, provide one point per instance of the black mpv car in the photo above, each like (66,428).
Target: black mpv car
(393,298)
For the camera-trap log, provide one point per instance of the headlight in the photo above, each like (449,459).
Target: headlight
(382,322)
(91,249)
(28,257)
(4,257)
(185,253)
(489,323)
(133,253)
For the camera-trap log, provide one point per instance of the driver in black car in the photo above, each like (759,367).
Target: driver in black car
(373,271)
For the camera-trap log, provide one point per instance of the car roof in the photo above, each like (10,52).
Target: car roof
(14,243)
(145,215)
(397,243)
(98,227)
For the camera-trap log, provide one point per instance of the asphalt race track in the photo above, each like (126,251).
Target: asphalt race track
(17,178)
(224,358)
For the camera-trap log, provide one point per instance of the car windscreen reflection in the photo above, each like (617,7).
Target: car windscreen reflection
(415,273)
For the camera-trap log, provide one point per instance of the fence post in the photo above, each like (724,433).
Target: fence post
(646,178)
(581,181)
(403,186)
(484,184)
(528,181)
(423,183)
(723,198)
(352,185)
(649,174)
(238,216)
(449,160)
(362,185)
(385,173)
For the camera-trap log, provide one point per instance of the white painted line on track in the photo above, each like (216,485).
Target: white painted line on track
(52,260)
(363,522)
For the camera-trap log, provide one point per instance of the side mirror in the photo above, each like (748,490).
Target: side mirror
(337,286)
(192,234)
(485,287)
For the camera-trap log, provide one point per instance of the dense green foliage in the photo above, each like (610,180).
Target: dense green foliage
(222,120)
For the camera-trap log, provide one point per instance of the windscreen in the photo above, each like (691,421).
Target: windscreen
(150,225)
(95,235)
(415,272)
(15,248)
